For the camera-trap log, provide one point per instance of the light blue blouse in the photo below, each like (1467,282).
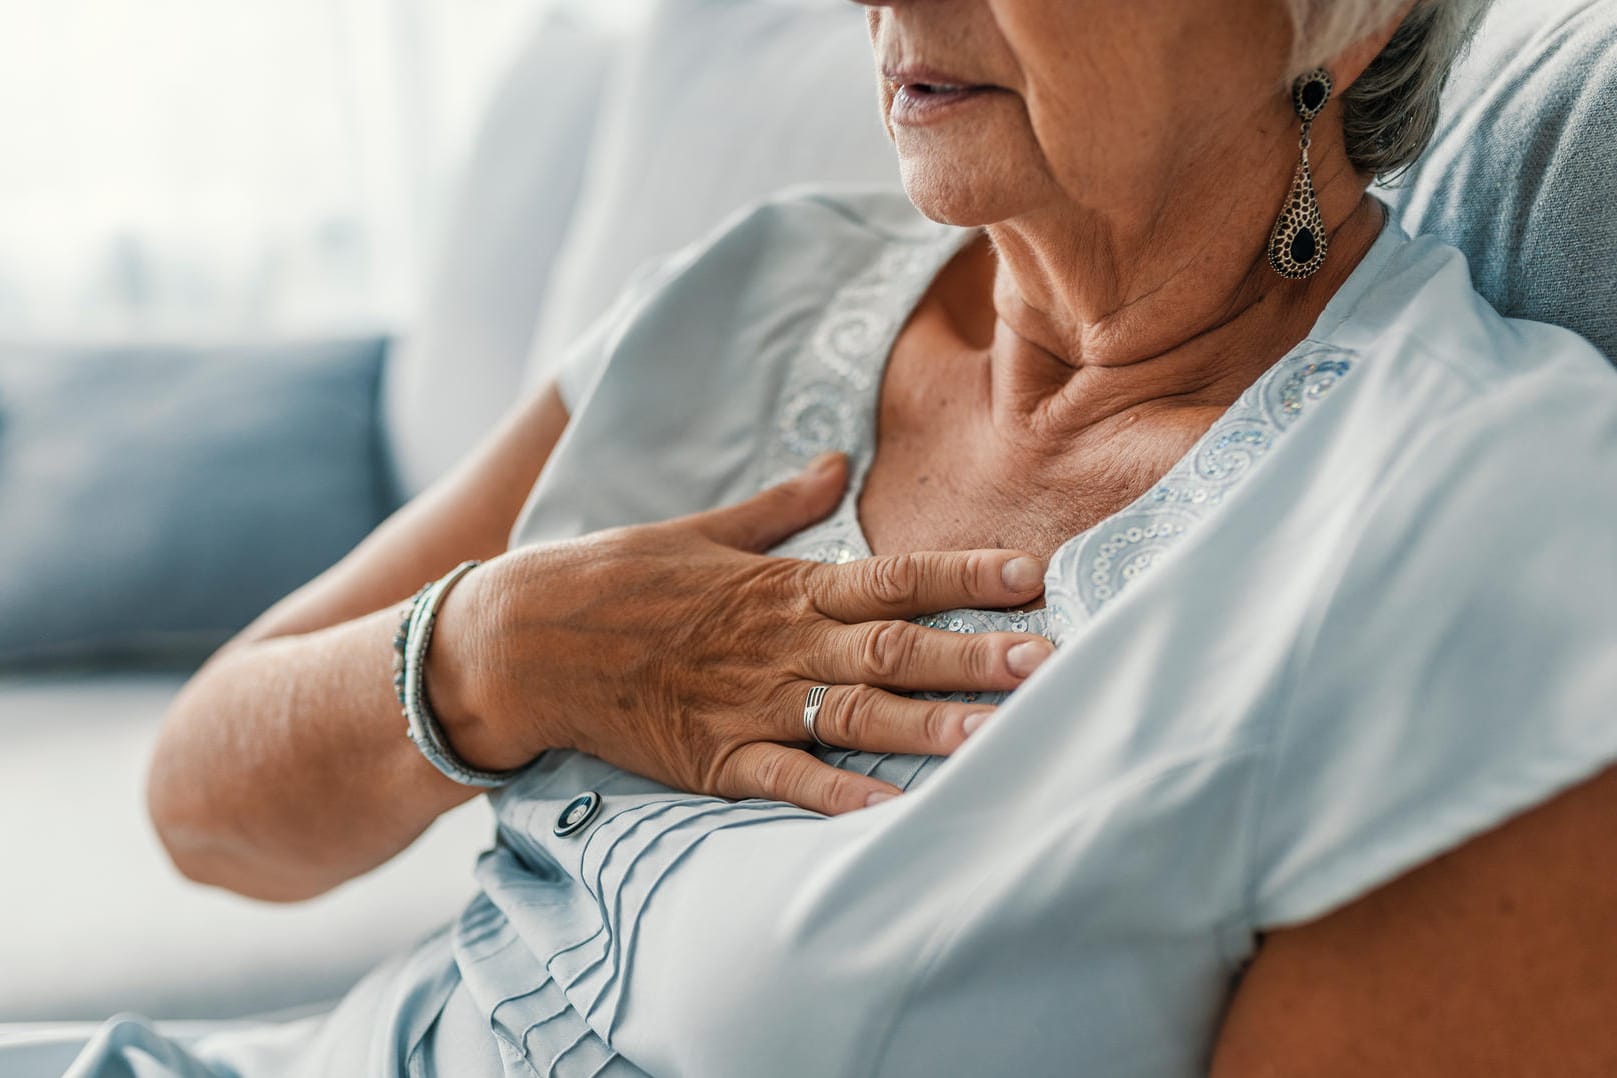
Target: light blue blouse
(1370,614)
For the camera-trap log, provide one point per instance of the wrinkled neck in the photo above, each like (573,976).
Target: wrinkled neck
(1092,319)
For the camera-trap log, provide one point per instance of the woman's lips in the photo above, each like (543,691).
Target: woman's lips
(919,103)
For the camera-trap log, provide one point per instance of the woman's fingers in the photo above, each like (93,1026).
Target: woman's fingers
(873,720)
(902,655)
(778,512)
(907,585)
(779,773)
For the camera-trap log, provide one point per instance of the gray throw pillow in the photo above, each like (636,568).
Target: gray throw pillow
(154,500)
(1523,174)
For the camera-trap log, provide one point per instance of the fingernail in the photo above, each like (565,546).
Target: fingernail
(974,722)
(877,798)
(1022,574)
(1026,657)
(823,463)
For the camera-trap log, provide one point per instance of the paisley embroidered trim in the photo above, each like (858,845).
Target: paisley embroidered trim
(831,391)
(1095,567)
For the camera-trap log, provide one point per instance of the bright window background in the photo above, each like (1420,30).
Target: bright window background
(235,167)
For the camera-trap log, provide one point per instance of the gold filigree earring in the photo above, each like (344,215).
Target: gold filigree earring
(1297,244)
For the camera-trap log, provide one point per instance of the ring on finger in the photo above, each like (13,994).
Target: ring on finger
(811,711)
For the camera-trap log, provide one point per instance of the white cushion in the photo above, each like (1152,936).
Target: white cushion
(457,371)
(96,921)
(718,103)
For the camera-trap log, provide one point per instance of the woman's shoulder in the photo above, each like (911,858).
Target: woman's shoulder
(767,266)
(880,213)
(806,240)
(818,229)
(676,395)
(1456,668)
(1427,335)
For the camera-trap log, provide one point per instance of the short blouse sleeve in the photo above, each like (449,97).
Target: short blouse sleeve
(1464,667)
(581,364)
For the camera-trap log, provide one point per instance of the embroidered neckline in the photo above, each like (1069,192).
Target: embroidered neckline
(1095,566)
(830,396)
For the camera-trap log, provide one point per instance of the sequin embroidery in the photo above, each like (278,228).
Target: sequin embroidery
(1092,569)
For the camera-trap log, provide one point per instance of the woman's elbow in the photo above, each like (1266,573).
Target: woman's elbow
(204,853)
(200,856)
(204,844)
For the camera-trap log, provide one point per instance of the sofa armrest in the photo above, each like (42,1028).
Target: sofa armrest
(94,920)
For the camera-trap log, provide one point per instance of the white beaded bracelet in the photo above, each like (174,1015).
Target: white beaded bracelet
(422,724)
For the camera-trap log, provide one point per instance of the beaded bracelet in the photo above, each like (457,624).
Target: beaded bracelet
(402,638)
(410,665)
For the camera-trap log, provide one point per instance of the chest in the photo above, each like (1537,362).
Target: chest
(948,474)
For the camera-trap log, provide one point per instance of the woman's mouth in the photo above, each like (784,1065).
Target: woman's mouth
(918,103)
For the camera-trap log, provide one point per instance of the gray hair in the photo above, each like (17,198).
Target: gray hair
(1390,113)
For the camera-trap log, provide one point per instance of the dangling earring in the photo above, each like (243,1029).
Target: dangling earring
(1298,243)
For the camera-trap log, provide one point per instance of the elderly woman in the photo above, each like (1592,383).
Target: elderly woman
(1314,782)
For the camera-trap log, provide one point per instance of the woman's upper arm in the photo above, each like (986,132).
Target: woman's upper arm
(467,514)
(1499,958)
(1432,841)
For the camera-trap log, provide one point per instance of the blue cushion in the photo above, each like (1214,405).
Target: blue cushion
(1523,175)
(153,501)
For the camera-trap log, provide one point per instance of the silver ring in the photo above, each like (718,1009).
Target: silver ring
(811,711)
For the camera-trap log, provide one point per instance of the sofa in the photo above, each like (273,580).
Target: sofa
(602,147)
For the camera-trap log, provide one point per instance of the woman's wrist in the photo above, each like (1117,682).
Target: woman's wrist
(464,686)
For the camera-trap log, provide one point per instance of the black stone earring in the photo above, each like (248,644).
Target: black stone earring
(1298,243)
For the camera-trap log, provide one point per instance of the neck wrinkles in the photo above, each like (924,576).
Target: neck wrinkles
(1091,322)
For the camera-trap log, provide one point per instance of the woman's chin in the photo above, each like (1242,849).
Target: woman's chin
(952,195)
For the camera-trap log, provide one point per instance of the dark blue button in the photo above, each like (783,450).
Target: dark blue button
(578,813)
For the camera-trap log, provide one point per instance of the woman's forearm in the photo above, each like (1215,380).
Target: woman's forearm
(283,768)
